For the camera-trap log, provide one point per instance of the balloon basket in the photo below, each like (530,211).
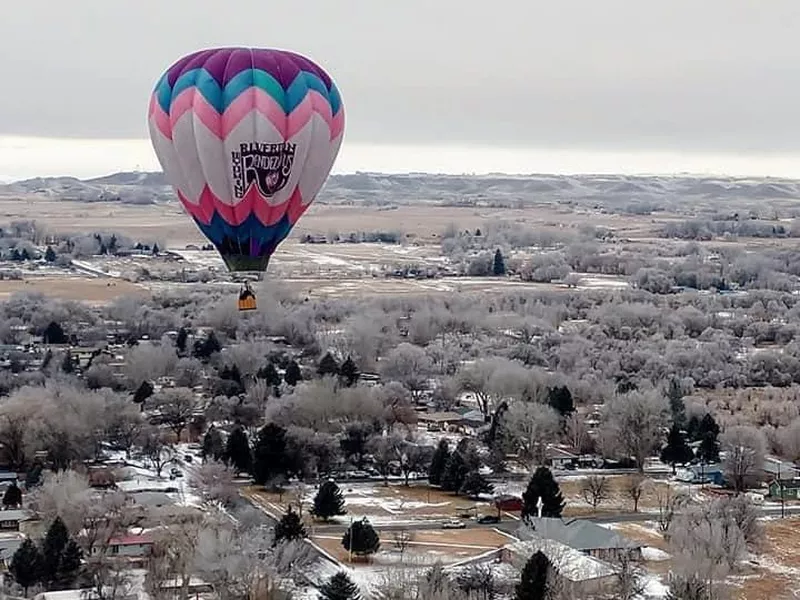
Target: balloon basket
(247,297)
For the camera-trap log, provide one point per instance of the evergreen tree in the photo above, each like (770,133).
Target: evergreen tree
(708,434)
(349,372)
(677,451)
(181,339)
(203,349)
(533,584)
(361,538)
(339,587)
(708,450)
(329,501)
(68,364)
(708,426)
(33,477)
(156,250)
(269,374)
(50,255)
(231,373)
(213,445)
(13,497)
(463,460)
(26,565)
(61,557)
(499,264)
(237,451)
(542,485)
(560,399)
(54,334)
(354,442)
(289,528)
(143,392)
(112,244)
(292,374)
(676,403)
(328,366)
(693,428)
(439,463)
(269,456)
(455,472)
(48,358)
(476,484)
(70,565)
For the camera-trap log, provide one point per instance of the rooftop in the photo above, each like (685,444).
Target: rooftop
(569,562)
(576,533)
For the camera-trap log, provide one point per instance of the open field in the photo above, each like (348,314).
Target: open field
(74,288)
(169,222)
(379,503)
(427,546)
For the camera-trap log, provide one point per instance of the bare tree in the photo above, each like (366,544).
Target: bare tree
(147,362)
(409,365)
(634,488)
(576,433)
(401,539)
(705,547)
(214,479)
(414,459)
(669,502)
(158,452)
(175,406)
(635,423)
(744,449)
(530,427)
(64,494)
(125,424)
(110,580)
(385,450)
(104,516)
(595,489)
(631,580)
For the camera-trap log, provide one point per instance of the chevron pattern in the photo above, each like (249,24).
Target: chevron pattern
(209,103)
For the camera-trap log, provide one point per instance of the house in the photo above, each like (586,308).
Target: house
(9,544)
(789,489)
(437,421)
(775,468)
(128,546)
(11,519)
(582,575)
(8,477)
(582,535)
(557,458)
(471,417)
(711,473)
(101,478)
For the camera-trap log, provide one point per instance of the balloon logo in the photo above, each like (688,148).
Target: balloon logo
(247,137)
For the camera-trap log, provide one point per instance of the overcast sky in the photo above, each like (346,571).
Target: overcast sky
(693,75)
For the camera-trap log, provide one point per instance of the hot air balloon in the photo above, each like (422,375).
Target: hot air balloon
(247,138)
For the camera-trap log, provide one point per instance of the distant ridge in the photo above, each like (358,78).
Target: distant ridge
(141,187)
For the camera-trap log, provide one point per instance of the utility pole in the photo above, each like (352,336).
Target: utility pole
(780,486)
(350,545)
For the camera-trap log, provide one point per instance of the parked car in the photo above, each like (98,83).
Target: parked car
(453,524)
(485,519)
(176,472)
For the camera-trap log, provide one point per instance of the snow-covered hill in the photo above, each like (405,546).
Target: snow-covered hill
(376,188)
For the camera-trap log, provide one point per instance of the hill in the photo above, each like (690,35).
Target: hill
(639,194)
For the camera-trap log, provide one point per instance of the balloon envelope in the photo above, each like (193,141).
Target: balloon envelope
(247,137)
